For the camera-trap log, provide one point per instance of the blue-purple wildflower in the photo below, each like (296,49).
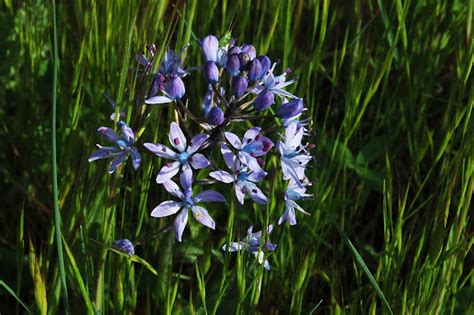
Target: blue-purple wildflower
(237,79)
(120,151)
(186,202)
(293,193)
(253,145)
(243,179)
(186,157)
(252,243)
(168,80)
(294,157)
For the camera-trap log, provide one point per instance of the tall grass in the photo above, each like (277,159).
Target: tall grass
(389,86)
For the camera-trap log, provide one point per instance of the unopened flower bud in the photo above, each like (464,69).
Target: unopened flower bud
(124,246)
(264,100)
(291,109)
(175,88)
(234,50)
(211,72)
(233,65)
(239,85)
(250,50)
(215,116)
(266,64)
(209,46)
(244,59)
(255,70)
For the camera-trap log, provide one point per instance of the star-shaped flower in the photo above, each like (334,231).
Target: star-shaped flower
(187,202)
(252,243)
(243,179)
(252,145)
(293,193)
(185,157)
(120,151)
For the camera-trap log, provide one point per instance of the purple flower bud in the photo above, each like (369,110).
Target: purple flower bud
(209,46)
(266,64)
(250,50)
(291,109)
(207,103)
(215,116)
(255,70)
(239,85)
(124,246)
(175,88)
(233,65)
(234,50)
(244,59)
(264,100)
(211,72)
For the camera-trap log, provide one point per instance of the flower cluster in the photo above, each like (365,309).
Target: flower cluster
(242,88)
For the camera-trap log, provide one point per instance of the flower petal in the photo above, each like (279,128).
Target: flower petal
(266,265)
(256,177)
(117,161)
(173,189)
(251,134)
(186,179)
(161,150)
(239,192)
(196,142)
(288,215)
(103,153)
(128,133)
(255,193)
(251,162)
(180,223)
(166,208)
(229,158)
(158,100)
(167,171)
(202,216)
(233,140)
(177,138)
(209,196)
(222,176)
(136,158)
(198,161)
(266,146)
(108,134)
(234,246)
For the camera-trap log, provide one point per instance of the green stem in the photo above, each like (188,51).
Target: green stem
(57,218)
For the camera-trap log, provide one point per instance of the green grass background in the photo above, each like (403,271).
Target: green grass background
(389,86)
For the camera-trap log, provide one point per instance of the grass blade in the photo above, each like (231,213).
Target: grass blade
(57,218)
(9,290)
(360,261)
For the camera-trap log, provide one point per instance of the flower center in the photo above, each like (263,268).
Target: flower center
(249,148)
(292,195)
(122,144)
(183,157)
(242,175)
(188,203)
